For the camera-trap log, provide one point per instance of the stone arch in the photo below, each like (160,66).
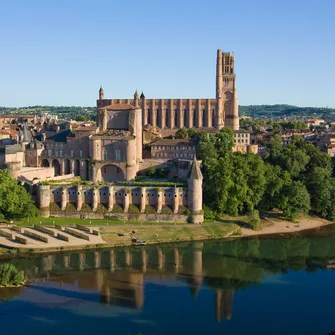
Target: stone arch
(55,164)
(45,163)
(76,167)
(111,172)
(67,166)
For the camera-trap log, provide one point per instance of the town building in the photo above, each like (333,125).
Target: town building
(174,148)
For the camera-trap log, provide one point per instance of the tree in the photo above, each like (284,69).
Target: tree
(276,178)
(233,183)
(81,117)
(9,275)
(295,200)
(192,133)
(15,202)
(150,171)
(254,220)
(181,133)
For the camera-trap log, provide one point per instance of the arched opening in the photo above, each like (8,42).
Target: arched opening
(84,170)
(67,166)
(56,166)
(45,163)
(112,173)
(76,167)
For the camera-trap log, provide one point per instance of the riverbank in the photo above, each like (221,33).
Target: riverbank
(167,233)
(119,236)
(275,226)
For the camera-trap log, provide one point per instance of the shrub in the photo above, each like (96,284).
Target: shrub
(162,172)
(133,209)
(182,210)
(86,208)
(166,210)
(9,275)
(150,171)
(149,210)
(254,220)
(117,209)
(70,207)
(101,209)
(54,207)
(237,232)
(210,214)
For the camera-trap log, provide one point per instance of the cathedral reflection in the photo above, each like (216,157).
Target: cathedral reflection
(119,274)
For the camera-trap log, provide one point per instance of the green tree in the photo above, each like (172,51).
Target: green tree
(81,117)
(254,220)
(181,133)
(150,171)
(276,178)
(15,202)
(9,275)
(192,133)
(295,200)
(233,183)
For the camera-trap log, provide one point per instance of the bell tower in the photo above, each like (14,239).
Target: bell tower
(226,94)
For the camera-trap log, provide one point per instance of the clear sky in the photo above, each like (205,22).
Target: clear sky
(59,52)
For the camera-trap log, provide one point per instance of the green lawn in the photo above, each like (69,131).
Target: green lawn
(95,222)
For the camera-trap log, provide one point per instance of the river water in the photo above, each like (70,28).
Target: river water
(242,286)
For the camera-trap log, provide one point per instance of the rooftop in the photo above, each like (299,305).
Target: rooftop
(177,141)
(118,107)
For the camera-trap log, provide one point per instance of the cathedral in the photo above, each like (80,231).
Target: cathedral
(209,114)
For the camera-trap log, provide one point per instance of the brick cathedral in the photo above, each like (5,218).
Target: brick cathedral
(172,114)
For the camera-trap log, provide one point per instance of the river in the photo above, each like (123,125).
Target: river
(241,286)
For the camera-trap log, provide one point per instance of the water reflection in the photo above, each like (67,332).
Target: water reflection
(119,276)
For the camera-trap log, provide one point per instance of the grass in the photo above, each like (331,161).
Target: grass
(164,233)
(93,222)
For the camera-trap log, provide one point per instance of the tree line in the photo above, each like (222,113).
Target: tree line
(296,179)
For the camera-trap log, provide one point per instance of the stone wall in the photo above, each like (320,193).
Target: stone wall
(121,202)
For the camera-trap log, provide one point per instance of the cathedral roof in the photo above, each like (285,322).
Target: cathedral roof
(118,107)
(195,172)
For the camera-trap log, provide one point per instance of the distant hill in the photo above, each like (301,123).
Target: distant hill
(258,111)
(274,111)
(63,112)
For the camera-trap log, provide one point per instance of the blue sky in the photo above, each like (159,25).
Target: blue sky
(59,52)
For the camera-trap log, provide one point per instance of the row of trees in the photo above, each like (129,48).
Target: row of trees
(295,179)
(256,124)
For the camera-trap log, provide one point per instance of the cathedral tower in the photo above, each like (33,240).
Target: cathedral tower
(101,93)
(226,95)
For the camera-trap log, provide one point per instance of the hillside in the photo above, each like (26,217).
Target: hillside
(273,111)
(259,111)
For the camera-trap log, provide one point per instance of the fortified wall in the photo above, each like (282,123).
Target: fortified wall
(162,204)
